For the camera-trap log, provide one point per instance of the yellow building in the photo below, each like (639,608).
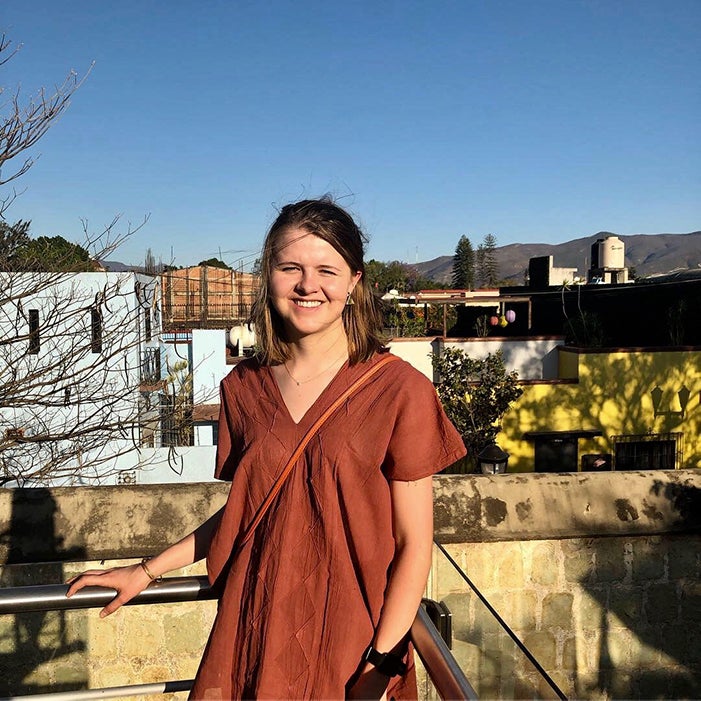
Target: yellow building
(643,402)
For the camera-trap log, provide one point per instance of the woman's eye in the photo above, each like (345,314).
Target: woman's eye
(326,271)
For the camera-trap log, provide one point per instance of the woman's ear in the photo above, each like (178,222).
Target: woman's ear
(355,280)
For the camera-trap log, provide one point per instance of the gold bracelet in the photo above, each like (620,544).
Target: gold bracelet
(149,574)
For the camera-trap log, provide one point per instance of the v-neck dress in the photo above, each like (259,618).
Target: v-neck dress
(299,602)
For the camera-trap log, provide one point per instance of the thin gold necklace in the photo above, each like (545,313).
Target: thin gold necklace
(313,377)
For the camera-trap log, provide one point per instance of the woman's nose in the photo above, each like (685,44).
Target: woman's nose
(308,282)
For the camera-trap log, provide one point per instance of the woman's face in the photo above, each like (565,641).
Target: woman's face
(309,284)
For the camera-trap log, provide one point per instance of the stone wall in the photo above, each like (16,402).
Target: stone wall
(50,535)
(598,574)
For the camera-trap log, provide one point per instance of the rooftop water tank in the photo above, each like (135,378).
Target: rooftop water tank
(609,252)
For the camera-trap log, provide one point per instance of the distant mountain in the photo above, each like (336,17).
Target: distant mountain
(649,254)
(114,266)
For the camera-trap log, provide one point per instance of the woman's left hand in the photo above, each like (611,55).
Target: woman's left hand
(371,684)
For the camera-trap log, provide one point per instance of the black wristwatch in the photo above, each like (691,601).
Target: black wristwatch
(385,662)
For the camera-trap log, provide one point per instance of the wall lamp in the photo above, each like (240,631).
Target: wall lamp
(683,395)
(492,460)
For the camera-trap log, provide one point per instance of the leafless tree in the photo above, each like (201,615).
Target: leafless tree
(22,123)
(80,376)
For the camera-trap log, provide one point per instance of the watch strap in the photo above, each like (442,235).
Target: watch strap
(385,662)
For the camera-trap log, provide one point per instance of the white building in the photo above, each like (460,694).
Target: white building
(79,363)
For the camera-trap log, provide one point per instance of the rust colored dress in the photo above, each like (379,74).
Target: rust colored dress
(300,600)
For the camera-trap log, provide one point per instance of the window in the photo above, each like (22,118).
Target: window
(34,338)
(66,396)
(648,451)
(151,366)
(147,323)
(95,330)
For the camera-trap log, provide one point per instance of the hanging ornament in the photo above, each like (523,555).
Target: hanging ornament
(503,322)
(493,320)
(510,316)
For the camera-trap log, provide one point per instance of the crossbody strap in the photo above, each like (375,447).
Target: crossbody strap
(282,478)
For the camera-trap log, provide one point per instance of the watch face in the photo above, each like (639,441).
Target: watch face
(374,657)
(385,662)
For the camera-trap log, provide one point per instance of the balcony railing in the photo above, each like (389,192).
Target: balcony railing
(441,667)
(150,366)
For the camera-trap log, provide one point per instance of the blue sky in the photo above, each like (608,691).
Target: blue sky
(537,121)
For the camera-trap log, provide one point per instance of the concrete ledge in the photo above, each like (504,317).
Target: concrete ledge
(481,508)
(95,523)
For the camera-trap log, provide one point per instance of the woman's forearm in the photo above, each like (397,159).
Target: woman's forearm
(192,548)
(403,595)
(412,520)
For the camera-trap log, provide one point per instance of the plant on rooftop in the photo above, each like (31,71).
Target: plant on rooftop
(475,393)
(407,322)
(585,330)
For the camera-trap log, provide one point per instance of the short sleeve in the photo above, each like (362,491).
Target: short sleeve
(423,440)
(228,436)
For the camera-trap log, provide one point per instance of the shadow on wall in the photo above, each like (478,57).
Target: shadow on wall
(647,639)
(490,659)
(30,641)
(613,395)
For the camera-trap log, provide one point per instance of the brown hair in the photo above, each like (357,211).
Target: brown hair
(361,320)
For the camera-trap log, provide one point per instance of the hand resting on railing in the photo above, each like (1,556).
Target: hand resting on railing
(128,581)
(133,579)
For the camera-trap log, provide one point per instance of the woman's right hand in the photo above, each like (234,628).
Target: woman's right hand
(128,581)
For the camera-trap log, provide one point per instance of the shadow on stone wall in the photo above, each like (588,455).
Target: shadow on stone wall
(489,658)
(650,604)
(31,640)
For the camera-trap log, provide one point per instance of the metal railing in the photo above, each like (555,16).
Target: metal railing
(503,625)
(439,663)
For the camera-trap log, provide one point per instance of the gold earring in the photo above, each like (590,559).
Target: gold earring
(349,300)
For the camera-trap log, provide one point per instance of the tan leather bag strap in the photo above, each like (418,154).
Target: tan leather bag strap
(282,478)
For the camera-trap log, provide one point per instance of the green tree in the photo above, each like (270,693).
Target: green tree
(463,265)
(404,321)
(489,267)
(51,254)
(395,275)
(12,239)
(476,394)
(215,263)
(384,277)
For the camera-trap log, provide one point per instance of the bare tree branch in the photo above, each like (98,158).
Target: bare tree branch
(22,124)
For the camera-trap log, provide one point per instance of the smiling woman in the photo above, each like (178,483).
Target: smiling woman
(309,286)
(323,548)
